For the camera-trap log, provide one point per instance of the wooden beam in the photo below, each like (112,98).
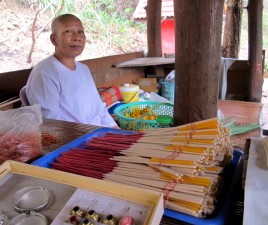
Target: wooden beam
(153,11)
(232,29)
(255,61)
(197,59)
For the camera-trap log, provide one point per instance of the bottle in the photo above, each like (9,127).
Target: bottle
(164,121)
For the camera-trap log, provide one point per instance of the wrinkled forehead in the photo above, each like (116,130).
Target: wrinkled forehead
(64,22)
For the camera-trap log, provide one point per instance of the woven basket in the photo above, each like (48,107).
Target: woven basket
(243,113)
(139,124)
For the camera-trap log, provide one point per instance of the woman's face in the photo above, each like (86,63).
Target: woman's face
(69,38)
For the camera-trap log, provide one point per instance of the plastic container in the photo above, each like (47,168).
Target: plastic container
(167,90)
(129,92)
(164,121)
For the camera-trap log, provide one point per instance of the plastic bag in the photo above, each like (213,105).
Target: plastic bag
(170,77)
(20,135)
(152,97)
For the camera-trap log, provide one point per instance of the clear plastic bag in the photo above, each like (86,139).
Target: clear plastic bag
(170,77)
(20,135)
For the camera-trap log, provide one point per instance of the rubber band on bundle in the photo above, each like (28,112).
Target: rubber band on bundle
(167,191)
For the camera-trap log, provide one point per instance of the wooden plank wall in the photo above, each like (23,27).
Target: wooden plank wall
(12,82)
(102,70)
(105,74)
(238,81)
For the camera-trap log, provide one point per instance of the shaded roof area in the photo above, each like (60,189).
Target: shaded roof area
(167,9)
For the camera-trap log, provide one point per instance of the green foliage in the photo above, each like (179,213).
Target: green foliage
(265,32)
(238,129)
(265,18)
(106,20)
(266,66)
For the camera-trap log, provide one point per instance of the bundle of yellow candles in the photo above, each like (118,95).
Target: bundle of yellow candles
(193,154)
(184,162)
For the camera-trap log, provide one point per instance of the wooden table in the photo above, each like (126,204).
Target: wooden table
(64,132)
(146,61)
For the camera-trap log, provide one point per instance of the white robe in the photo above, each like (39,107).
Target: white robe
(65,94)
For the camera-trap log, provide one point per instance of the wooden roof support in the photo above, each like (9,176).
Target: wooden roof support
(232,29)
(197,59)
(153,11)
(255,9)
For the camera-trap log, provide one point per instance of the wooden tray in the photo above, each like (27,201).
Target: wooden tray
(64,188)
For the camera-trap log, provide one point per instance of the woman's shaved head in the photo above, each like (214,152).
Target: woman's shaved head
(62,18)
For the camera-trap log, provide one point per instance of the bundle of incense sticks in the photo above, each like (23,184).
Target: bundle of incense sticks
(184,162)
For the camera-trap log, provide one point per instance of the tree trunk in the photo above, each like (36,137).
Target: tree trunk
(255,8)
(232,29)
(198,29)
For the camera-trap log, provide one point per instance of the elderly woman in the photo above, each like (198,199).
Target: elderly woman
(63,86)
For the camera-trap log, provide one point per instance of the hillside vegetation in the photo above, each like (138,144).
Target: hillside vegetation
(110,29)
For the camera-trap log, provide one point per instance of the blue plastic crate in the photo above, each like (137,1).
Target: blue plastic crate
(233,172)
(223,211)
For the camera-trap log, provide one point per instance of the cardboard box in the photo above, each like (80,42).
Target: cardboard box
(148,84)
(65,189)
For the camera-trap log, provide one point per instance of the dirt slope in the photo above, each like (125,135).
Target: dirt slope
(16,39)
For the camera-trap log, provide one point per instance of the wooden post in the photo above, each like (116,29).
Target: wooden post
(198,29)
(232,29)
(255,8)
(153,11)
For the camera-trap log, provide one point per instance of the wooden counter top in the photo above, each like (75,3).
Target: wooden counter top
(146,61)
(63,132)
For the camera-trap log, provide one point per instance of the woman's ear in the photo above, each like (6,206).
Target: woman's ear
(53,39)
